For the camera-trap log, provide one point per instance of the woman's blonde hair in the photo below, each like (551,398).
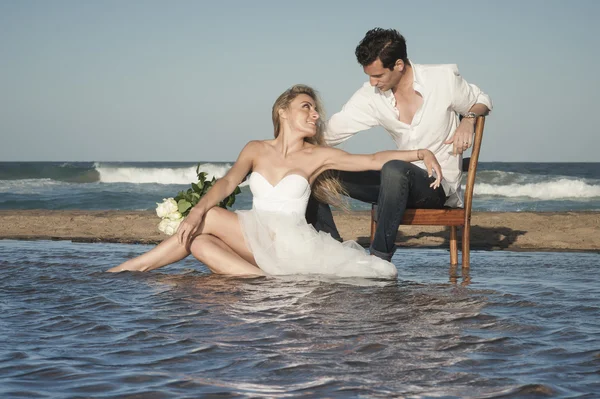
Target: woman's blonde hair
(326,187)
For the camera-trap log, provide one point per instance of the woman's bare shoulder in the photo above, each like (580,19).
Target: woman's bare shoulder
(315,148)
(322,150)
(258,145)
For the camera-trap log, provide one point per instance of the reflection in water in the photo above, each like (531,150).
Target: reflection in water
(464,275)
(183,332)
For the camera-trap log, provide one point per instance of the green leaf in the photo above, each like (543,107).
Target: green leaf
(183,206)
(179,196)
(187,199)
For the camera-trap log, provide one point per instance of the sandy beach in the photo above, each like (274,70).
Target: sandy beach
(543,231)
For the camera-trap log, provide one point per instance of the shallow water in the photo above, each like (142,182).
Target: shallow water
(519,325)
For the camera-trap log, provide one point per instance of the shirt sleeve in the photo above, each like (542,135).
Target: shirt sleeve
(465,95)
(357,114)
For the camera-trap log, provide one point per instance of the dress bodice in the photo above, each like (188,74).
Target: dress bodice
(289,195)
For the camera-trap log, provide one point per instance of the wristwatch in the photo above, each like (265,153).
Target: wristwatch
(470,115)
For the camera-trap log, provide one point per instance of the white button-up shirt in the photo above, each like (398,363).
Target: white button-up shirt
(445,94)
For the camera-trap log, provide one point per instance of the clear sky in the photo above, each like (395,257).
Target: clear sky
(181,80)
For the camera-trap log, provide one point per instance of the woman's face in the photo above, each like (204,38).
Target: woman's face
(302,115)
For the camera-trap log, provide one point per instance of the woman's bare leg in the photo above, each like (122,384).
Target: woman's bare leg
(220,258)
(167,252)
(219,222)
(225,225)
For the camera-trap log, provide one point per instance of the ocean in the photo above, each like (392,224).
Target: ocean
(500,186)
(518,325)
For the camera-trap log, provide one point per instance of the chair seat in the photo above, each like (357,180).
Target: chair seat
(433,217)
(429,217)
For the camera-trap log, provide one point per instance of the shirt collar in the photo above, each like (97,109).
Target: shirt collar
(417,78)
(417,83)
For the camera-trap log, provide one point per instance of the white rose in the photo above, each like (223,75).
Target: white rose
(163,225)
(168,226)
(167,207)
(175,216)
(173,226)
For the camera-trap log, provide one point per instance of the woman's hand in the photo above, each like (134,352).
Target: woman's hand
(190,225)
(432,164)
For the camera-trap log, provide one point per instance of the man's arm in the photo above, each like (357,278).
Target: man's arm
(479,110)
(356,115)
(467,99)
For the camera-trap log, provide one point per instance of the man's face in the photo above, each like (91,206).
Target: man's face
(383,78)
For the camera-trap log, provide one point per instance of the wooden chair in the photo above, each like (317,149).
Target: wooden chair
(452,217)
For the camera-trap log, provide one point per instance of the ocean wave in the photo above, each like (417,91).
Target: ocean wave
(27,186)
(500,177)
(72,172)
(176,175)
(506,178)
(549,190)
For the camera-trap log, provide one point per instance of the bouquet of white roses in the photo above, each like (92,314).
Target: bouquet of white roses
(173,210)
(168,211)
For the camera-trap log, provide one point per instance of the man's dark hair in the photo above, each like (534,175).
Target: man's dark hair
(386,44)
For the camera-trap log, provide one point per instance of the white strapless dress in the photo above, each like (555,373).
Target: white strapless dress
(283,243)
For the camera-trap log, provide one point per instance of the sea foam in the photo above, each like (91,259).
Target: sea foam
(183,175)
(28,186)
(548,190)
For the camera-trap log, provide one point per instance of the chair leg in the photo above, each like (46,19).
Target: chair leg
(373,222)
(453,246)
(466,245)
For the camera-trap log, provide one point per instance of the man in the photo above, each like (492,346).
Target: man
(419,106)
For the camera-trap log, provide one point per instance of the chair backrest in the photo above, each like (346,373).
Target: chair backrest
(472,168)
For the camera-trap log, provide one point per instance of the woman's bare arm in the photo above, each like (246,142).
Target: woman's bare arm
(226,184)
(221,189)
(334,158)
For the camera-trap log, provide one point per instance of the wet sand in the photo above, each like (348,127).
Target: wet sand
(537,231)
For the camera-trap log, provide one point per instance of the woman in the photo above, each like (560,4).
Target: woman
(273,238)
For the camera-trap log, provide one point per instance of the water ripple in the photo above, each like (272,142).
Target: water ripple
(70,330)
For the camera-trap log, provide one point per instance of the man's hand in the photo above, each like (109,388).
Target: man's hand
(463,136)
(432,164)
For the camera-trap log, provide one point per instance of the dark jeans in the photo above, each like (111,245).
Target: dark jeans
(398,186)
